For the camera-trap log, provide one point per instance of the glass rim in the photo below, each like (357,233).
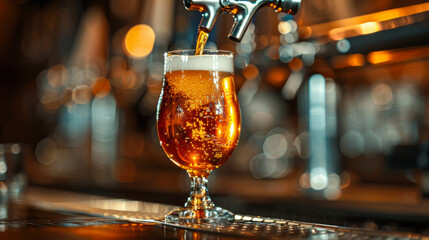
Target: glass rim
(206,52)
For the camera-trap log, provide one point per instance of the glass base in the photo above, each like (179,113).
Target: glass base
(215,215)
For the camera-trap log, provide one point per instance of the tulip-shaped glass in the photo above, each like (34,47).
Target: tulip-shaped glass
(198,123)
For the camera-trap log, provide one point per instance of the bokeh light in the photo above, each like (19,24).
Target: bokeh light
(139,41)
(81,94)
(277,76)
(101,87)
(275,146)
(381,94)
(369,27)
(343,45)
(352,144)
(47,152)
(379,57)
(251,72)
(284,27)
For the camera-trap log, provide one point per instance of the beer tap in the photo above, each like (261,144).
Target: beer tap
(242,11)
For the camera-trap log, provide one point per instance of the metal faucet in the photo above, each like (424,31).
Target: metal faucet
(242,11)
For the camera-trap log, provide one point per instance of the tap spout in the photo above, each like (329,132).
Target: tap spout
(243,13)
(210,9)
(244,10)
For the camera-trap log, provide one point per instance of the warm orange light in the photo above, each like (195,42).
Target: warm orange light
(379,57)
(345,180)
(352,60)
(295,65)
(101,87)
(369,23)
(305,32)
(195,159)
(219,132)
(232,131)
(369,27)
(277,76)
(284,27)
(250,72)
(226,86)
(356,60)
(139,41)
(337,34)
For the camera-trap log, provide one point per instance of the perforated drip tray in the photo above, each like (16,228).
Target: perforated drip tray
(153,213)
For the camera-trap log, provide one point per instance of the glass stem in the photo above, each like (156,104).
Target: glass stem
(199,198)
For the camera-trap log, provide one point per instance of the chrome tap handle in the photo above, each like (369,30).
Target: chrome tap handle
(210,9)
(242,10)
(241,23)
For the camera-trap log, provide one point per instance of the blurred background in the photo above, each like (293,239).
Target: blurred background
(334,104)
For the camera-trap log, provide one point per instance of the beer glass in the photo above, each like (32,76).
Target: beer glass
(198,123)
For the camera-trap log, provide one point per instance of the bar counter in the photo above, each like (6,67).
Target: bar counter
(53,214)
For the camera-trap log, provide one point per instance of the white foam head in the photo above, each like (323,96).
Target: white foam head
(221,63)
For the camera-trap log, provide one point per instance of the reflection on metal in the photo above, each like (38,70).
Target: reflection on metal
(370,23)
(243,225)
(97,206)
(352,60)
(379,57)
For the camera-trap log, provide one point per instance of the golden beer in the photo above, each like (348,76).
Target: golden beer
(203,36)
(199,119)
